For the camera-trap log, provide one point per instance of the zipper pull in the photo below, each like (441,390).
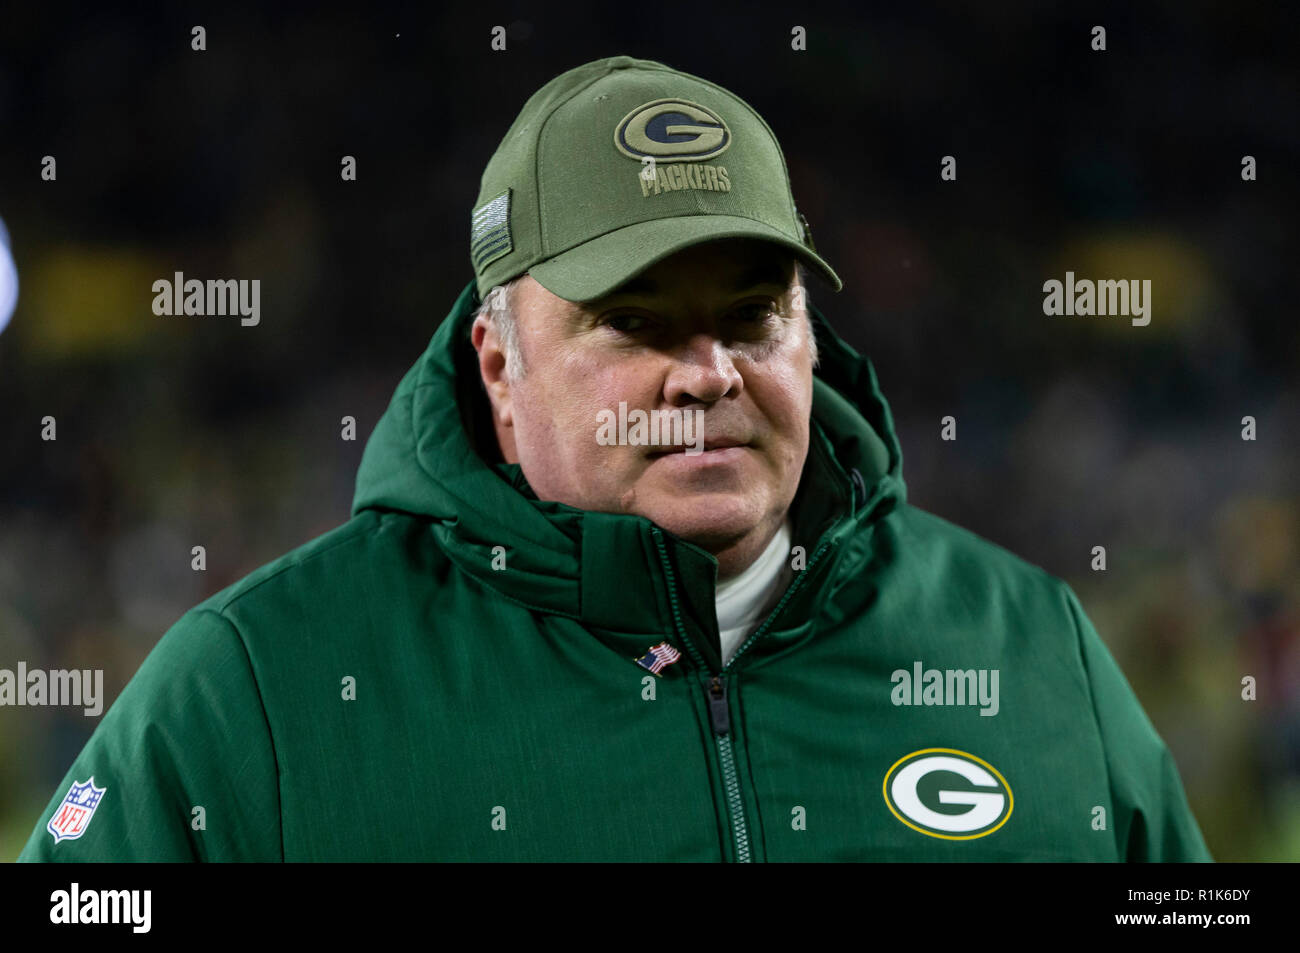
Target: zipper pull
(719,714)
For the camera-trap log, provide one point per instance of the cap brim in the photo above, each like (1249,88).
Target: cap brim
(595,268)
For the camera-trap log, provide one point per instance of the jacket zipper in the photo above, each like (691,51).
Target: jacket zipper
(719,708)
(720,716)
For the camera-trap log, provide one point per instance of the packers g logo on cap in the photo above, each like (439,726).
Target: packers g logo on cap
(921,782)
(672,130)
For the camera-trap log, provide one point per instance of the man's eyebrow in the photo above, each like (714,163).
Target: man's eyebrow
(763,273)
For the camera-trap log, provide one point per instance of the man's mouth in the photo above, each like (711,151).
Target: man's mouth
(721,443)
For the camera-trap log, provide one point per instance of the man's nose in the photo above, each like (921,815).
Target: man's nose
(703,372)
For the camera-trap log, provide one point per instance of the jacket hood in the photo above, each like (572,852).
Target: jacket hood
(608,570)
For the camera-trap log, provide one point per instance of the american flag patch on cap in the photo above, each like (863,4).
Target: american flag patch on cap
(489,231)
(658,657)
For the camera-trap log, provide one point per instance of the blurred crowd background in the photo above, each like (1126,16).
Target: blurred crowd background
(1072,432)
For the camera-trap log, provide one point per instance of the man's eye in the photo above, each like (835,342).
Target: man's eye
(754,313)
(627,323)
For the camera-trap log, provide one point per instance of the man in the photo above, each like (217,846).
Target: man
(560,628)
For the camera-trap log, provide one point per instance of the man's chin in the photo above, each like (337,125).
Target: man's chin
(712,521)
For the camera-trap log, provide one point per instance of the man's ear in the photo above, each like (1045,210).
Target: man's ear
(492,368)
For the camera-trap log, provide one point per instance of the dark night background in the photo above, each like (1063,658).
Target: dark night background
(1072,431)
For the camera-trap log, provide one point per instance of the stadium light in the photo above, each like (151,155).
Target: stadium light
(8,279)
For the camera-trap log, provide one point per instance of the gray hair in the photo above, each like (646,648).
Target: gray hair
(498,308)
(801,283)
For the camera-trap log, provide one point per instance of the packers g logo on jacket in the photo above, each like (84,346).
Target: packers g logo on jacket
(920,785)
(672,130)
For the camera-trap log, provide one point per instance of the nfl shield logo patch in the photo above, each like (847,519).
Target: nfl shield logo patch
(70,820)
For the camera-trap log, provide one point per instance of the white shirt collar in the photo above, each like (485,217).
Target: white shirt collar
(742,601)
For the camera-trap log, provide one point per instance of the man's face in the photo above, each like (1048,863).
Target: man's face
(711,328)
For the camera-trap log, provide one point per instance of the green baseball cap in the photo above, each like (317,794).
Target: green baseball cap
(619,163)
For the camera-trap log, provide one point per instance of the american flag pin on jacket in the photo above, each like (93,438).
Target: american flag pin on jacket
(659,657)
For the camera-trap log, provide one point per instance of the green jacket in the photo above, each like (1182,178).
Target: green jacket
(452,675)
